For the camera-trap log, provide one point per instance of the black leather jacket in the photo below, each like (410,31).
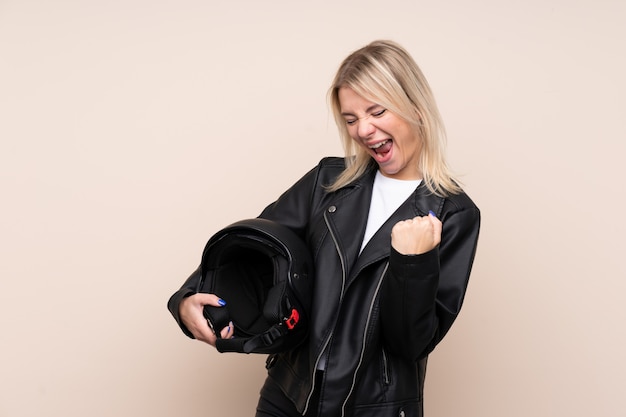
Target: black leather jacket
(376,315)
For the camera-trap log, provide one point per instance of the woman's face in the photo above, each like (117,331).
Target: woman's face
(389,139)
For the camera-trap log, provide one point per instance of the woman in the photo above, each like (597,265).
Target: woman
(393,239)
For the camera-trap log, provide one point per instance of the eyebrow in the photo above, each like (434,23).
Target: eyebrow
(368,110)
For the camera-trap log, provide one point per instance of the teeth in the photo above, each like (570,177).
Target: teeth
(379,144)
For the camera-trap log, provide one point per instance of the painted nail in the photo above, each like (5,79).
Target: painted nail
(221,302)
(432,213)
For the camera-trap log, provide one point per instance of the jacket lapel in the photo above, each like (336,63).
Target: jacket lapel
(418,204)
(347,217)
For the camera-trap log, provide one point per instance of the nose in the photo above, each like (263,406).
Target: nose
(365,128)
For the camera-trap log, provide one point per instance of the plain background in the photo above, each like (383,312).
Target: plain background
(132,130)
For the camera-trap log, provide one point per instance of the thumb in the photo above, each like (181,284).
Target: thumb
(437,227)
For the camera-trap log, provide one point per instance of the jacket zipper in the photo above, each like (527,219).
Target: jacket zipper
(367,323)
(343,283)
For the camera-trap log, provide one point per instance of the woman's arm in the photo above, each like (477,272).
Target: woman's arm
(422,294)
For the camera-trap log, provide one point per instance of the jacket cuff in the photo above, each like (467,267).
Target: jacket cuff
(173,305)
(419,266)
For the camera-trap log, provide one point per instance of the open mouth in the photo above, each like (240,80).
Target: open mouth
(382,148)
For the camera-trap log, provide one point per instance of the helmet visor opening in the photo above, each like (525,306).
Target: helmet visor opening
(244,279)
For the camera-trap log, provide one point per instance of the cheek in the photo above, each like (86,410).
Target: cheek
(352,132)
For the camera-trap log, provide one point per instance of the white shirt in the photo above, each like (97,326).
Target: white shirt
(387,195)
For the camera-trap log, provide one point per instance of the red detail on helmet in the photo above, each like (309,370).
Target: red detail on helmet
(293,320)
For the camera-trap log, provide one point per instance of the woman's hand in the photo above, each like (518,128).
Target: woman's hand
(417,235)
(191,314)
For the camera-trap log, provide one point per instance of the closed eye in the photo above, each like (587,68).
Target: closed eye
(377,114)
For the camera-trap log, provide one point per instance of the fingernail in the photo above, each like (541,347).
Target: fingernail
(432,213)
(221,302)
(228,329)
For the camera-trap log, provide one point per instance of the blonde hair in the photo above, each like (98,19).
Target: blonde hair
(383,72)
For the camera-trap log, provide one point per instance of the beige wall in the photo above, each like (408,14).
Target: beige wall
(130,131)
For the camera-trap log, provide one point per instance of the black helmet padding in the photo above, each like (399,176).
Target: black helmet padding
(264,272)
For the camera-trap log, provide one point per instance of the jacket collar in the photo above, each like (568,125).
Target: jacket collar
(350,218)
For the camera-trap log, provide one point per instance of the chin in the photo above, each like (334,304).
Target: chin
(389,169)
(388,172)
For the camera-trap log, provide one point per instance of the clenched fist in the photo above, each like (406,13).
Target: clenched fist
(417,235)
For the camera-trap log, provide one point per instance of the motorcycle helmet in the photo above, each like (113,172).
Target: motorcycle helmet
(264,271)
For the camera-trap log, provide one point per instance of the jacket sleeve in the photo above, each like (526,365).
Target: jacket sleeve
(422,295)
(293,208)
(190,287)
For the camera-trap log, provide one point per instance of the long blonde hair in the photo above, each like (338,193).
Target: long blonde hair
(383,72)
